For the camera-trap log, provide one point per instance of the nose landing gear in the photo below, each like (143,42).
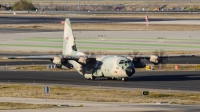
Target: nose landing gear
(125,79)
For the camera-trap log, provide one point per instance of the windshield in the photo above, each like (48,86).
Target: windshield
(124,62)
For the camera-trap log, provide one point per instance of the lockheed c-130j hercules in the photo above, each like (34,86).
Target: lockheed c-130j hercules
(94,66)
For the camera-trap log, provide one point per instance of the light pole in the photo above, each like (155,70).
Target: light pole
(78,5)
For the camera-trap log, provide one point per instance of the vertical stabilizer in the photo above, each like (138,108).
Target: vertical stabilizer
(68,39)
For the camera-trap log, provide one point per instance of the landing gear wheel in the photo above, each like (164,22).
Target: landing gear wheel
(109,78)
(124,79)
(93,78)
(90,78)
(114,78)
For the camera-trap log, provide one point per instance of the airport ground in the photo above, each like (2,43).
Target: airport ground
(67,84)
(14,40)
(102,33)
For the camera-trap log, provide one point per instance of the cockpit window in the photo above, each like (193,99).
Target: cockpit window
(121,62)
(127,62)
(124,62)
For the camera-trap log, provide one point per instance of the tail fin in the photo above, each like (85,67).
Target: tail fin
(68,39)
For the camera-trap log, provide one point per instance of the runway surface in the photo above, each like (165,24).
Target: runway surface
(15,63)
(177,80)
(36,20)
(19,30)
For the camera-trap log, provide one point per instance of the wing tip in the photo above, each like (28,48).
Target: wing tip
(5,58)
(8,58)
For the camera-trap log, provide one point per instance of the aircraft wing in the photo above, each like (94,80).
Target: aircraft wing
(157,59)
(57,59)
(42,57)
(162,56)
(30,57)
(84,58)
(94,56)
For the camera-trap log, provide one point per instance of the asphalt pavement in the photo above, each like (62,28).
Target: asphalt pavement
(43,20)
(22,30)
(168,80)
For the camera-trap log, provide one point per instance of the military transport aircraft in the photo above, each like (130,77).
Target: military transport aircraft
(94,66)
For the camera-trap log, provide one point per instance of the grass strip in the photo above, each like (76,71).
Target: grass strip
(98,95)
(43,39)
(12,105)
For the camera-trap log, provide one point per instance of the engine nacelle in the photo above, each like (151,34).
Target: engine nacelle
(67,65)
(129,57)
(62,63)
(154,59)
(139,64)
(57,60)
(82,60)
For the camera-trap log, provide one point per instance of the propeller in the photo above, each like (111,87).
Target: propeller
(88,63)
(133,54)
(162,60)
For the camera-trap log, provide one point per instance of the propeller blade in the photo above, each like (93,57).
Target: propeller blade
(162,61)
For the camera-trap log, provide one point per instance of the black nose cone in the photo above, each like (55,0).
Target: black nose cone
(130,71)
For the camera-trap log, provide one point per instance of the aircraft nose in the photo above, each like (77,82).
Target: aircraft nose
(130,71)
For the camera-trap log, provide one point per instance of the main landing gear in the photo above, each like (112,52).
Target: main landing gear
(111,78)
(92,78)
(123,79)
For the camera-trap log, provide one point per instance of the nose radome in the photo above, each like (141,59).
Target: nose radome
(130,71)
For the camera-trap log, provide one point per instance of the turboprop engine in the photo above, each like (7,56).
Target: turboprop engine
(66,64)
(154,59)
(57,60)
(137,62)
(62,63)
